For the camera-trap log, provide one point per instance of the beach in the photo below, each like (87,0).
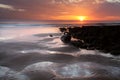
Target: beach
(35,52)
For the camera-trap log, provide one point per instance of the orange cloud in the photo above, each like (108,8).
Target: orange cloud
(60,9)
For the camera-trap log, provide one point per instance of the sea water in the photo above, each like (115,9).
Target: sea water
(29,52)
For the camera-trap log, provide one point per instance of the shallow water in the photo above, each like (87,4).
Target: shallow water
(29,53)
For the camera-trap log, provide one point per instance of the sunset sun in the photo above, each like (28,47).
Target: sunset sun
(82,18)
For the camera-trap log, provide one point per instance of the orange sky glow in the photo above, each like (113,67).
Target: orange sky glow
(60,9)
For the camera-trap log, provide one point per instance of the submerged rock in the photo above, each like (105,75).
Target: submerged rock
(8,74)
(86,71)
(39,71)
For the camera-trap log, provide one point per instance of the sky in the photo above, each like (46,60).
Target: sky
(60,9)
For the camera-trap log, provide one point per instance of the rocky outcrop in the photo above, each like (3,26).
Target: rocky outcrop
(103,38)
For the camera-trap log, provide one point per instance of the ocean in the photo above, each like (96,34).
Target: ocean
(29,52)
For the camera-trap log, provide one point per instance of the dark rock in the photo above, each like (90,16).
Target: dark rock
(51,35)
(63,29)
(66,38)
(116,53)
(103,38)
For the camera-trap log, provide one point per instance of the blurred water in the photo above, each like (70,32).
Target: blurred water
(29,53)
(22,33)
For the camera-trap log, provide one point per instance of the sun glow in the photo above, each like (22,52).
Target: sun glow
(82,18)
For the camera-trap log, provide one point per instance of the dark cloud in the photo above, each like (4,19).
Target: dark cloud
(110,9)
(51,9)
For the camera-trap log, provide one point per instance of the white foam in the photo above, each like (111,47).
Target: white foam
(6,38)
(38,51)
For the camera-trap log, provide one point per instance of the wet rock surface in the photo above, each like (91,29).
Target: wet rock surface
(103,38)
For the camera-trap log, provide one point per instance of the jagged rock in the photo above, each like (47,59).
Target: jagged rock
(104,38)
